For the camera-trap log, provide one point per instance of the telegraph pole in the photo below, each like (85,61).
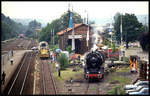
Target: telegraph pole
(87,39)
(53,37)
(145,23)
(121,29)
(121,47)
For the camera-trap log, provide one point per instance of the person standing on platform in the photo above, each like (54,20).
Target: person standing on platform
(57,67)
(59,73)
(3,77)
(12,53)
(51,57)
(11,61)
(54,57)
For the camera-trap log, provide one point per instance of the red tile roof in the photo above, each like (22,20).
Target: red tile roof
(69,29)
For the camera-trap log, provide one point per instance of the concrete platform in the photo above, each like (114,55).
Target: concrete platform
(10,69)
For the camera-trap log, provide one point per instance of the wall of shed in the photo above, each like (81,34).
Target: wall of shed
(82,30)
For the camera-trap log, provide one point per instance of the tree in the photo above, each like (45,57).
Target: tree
(31,28)
(69,49)
(10,29)
(144,41)
(131,28)
(113,48)
(57,25)
(34,24)
(65,19)
(63,61)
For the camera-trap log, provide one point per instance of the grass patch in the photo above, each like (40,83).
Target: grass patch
(124,69)
(121,79)
(113,91)
(94,88)
(68,73)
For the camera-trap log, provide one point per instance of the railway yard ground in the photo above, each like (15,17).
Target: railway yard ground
(40,76)
(117,77)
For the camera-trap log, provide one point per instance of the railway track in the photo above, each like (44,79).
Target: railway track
(48,83)
(92,87)
(32,44)
(18,44)
(16,86)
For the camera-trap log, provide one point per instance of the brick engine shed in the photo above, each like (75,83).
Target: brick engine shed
(80,31)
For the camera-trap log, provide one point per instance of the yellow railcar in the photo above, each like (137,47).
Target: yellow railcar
(44,50)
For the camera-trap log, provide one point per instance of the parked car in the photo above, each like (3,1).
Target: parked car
(140,83)
(143,91)
(137,89)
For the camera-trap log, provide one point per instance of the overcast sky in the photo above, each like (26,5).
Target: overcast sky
(52,10)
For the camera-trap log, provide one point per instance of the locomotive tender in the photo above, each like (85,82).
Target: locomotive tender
(94,68)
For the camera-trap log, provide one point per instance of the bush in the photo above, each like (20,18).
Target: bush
(113,47)
(69,49)
(126,59)
(53,47)
(63,61)
(115,58)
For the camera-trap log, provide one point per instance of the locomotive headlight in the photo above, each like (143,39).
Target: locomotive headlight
(99,72)
(87,72)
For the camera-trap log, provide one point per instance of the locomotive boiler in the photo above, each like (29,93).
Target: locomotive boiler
(94,65)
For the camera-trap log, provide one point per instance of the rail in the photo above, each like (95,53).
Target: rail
(53,81)
(44,77)
(19,72)
(26,74)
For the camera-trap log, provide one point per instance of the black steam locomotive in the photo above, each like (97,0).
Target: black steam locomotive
(94,65)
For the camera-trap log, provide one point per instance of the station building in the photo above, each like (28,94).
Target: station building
(80,31)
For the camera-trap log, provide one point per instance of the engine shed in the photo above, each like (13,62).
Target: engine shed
(80,31)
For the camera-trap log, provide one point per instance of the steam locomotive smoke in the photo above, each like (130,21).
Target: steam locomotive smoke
(96,39)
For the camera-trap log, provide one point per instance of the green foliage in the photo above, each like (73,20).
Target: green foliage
(131,27)
(126,59)
(116,58)
(69,49)
(114,91)
(31,29)
(113,47)
(144,41)
(10,29)
(54,47)
(34,24)
(63,61)
(65,19)
(57,25)
(107,42)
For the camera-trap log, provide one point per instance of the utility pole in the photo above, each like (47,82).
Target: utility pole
(121,47)
(87,39)
(84,18)
(71,25)
(121,29)
(145,23)
(53,37)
